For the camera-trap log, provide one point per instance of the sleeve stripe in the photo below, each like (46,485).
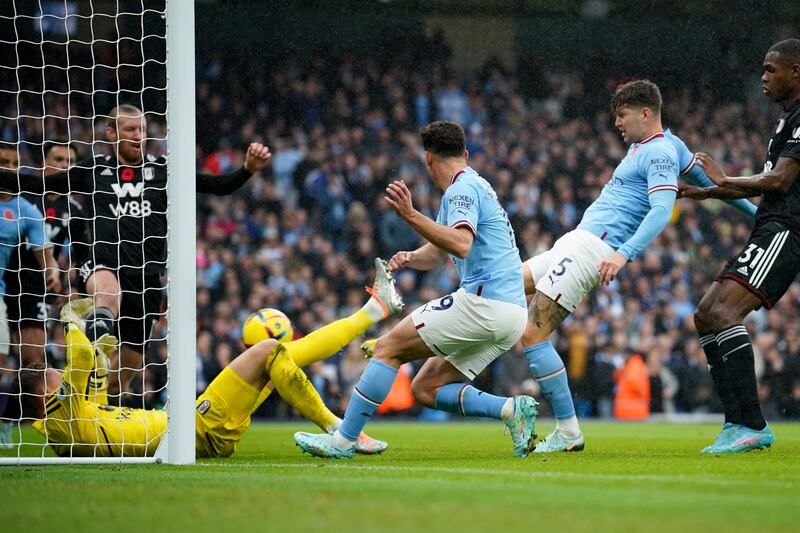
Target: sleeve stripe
(52,408)
(690,165)
(465,224)
(663,188)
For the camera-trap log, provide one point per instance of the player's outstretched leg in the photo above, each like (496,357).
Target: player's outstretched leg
(384,302)
(723,309)
(401,344)
(293,385)
(730,404)
(718,370)
(439,385)
(371,390)
(548,370)
(517,413)
(551,375)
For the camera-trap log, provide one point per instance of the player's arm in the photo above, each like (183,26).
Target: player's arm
(704,188)
(76,179)
(79,237)
(426,257)
(32,228)
(455,239)
(661,204)
(778,179)
(662,183)
(706,193)
(256,158)
(48,263)
(80,360)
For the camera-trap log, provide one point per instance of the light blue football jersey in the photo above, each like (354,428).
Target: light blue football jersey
(19,219)
(650,165)
(686,158)
(492,269)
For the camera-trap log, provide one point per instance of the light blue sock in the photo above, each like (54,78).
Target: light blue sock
(548,370)
(372,388)
(468,401)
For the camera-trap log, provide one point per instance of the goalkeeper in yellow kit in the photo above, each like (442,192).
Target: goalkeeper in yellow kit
(76,419)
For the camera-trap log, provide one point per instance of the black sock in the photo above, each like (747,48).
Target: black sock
(100,322)
(736,354)
(719,374)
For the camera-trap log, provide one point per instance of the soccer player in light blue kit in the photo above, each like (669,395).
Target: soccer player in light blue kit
(633,208)
(19,219)
(461,333)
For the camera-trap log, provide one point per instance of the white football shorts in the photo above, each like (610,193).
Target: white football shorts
(568,271)
(469,331)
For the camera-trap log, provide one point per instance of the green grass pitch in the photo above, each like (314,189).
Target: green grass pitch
(434,477)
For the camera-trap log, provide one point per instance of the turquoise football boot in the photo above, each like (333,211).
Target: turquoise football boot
(746,439)
(556,442)
(522,425)
(723,438)
(323,445)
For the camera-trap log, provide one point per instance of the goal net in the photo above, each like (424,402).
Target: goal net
(97,201)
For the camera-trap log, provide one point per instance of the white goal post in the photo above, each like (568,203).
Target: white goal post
(182,294)
(178,444)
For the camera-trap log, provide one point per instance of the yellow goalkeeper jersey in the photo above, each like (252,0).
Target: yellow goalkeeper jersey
(76,426)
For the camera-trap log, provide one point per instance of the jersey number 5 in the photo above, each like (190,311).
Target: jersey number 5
(560,271)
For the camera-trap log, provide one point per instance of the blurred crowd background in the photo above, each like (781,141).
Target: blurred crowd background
(341,122)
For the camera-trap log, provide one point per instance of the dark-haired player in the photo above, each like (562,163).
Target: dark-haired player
(633,208)
(26,297)
(127,207)
(763,271)
(461,333)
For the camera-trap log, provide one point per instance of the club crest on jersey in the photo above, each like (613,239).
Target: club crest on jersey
(781,124)
(796,133)
(63,391)
(203,407)
(148,173)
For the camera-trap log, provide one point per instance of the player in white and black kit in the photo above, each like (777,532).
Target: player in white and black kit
(127,212)
(763,271)
(27,299)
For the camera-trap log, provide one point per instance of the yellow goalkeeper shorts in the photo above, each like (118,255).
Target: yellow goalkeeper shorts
(223,414)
